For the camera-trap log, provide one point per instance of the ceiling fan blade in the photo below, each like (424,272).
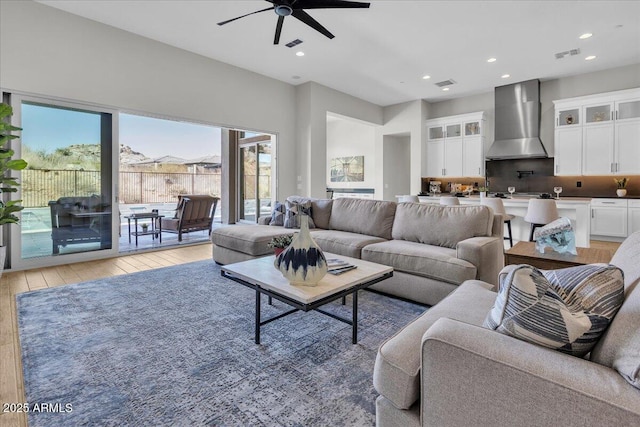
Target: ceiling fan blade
(252,13)
(276,39)
(307,19)
(329,4)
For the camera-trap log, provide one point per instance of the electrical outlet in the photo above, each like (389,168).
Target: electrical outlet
(579,184)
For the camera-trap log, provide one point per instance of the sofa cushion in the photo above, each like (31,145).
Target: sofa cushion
(343,242)
(396,374)
(565,309)
(363,216)
(441,225)
(293,212)
(619,347)
(248,239)
(320,209)
(423,260)
(277,216)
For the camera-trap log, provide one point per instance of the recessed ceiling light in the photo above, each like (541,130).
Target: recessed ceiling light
(426,77)
(590,57)
(585,36)
(445,89)
(505,76)
(300,53)
(491,60)
(295,77)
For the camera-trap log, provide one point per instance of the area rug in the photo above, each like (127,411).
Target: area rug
(174,347)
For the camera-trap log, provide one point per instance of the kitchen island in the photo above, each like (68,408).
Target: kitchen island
(577,209)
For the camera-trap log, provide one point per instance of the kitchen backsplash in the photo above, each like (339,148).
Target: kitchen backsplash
(536,176)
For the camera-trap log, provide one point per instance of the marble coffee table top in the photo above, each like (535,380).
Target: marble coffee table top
(261,272)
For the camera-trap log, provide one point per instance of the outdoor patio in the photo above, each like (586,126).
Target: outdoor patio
(36,231)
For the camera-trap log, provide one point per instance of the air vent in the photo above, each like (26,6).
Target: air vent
(296,42)
(571,52)
(445,83)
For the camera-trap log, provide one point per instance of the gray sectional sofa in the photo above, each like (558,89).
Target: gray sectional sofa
(432,248)
(445,369)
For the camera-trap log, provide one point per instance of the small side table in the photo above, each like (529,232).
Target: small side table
(525,253)
(153,216)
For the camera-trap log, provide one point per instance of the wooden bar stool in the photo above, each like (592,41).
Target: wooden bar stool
(540,213)
(496,204)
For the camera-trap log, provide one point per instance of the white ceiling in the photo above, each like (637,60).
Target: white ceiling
(380,54)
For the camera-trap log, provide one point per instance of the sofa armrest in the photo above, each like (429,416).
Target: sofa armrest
(264,220)
(486,253)
(476,376)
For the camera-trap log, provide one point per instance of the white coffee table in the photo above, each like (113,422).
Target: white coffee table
(260,274)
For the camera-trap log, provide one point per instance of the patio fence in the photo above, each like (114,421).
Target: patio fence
(41,186)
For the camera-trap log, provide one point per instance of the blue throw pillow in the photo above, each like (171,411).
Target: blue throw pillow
(566,309)
(277,216)
(294,209)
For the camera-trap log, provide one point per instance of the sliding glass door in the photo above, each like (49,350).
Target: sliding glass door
(255,159)
(67,186)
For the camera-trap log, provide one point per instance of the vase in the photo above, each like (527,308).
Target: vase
(278,251)
(302,263)
(621,192)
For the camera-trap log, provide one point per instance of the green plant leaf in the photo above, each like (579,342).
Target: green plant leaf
(5,110)
(16,165)
(6,154)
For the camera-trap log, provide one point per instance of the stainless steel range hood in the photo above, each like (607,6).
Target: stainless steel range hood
(517,126)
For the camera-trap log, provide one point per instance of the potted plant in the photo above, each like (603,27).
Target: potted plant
(8,184)
(280,243)
(483,191)
(145,227)
(622,186)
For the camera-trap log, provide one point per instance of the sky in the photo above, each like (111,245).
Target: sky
(46,128)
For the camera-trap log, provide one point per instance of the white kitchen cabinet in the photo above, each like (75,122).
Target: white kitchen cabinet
(455,146)
(600,132)
(609,217)
(597,149)
(633,213)
(568,158)
(627,131)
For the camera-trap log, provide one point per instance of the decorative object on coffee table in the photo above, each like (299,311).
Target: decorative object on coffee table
(622,186)
(558,235)
(526,253)
(280,243)
(302,263)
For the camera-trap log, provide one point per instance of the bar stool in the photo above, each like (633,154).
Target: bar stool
(449,201)
(411,199)
(540,212)
(496,204)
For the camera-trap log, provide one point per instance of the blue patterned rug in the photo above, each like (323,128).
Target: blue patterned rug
(174,347)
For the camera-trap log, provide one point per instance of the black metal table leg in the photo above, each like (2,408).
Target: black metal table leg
(344,300)
(257,335)
(129,222)
(270,300)
(354,327)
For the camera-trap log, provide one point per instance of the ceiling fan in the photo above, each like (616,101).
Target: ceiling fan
(296,8)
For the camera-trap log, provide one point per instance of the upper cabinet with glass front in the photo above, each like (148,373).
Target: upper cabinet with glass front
(598,134)
(455,146)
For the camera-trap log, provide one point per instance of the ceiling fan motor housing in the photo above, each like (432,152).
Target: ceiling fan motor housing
(283,10)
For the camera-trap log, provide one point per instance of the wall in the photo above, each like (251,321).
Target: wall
(406,119)
(350,138)
(314,101)
(396,155)
(53,53)
(567,87)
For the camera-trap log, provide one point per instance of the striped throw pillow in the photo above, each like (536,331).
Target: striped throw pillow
(566,309)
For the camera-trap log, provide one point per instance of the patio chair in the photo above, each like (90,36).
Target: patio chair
(194,213)
(76,220)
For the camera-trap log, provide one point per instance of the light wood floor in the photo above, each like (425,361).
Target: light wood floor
(11,382)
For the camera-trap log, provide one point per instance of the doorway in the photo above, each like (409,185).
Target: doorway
(66,189)
(255,171)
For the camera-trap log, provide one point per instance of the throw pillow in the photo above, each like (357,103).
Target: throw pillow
(277,216)
(294,210)
(566,309)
